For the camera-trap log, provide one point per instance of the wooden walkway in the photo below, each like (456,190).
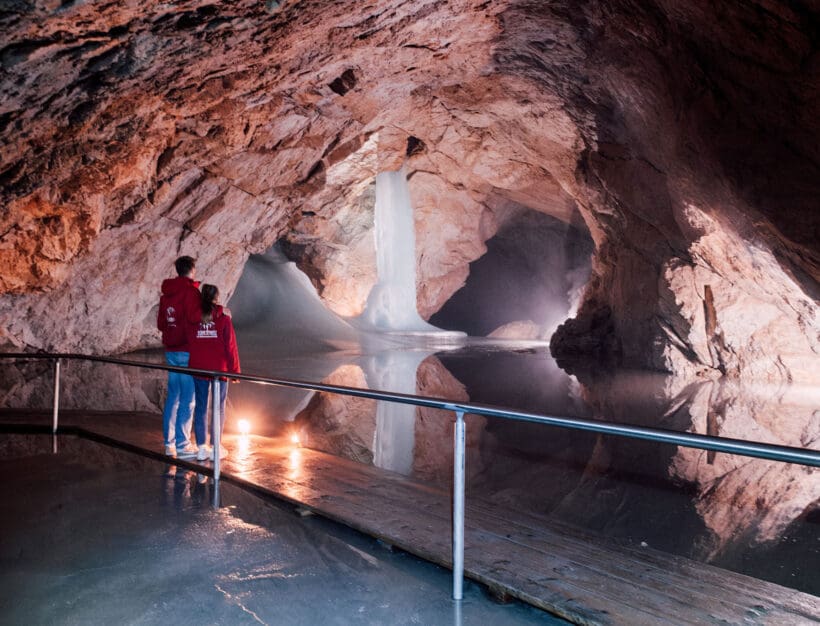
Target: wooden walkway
(581,577)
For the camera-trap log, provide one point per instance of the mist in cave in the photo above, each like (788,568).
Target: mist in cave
(533,272)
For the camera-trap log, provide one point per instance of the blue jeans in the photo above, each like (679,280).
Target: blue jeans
(179,405)
(203,394)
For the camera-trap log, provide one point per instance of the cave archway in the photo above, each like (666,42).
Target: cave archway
(533,272)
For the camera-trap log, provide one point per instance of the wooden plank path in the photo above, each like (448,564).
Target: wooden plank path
(564,570)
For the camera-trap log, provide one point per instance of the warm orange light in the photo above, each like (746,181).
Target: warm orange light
(294,439)
(295,463)
(244,427)
(295,458)
(244,445)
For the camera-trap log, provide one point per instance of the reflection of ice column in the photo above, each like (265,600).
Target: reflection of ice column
(394,438)
(391,305)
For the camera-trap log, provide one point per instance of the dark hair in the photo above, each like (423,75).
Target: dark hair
(184,265)
(209,295)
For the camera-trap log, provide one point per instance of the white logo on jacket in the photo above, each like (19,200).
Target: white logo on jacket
(170,312)
(206,330)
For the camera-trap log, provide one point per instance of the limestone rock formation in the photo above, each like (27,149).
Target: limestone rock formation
(342,425)
(743,499)
(685,136)
(83,386)
(526,329)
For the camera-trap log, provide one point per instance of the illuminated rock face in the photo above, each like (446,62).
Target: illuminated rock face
(744,499)
(684,137)
(733,503)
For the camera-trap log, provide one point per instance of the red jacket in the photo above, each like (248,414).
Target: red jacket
(179,309)
(213,344)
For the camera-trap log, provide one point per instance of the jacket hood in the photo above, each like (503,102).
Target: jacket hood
(171,286)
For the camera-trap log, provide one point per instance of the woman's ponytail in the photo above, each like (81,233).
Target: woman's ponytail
(209,296)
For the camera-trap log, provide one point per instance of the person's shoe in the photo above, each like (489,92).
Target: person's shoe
(188,452)
(204,453)
(223,453)
(170,451)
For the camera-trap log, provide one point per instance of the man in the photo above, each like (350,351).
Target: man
(179,307)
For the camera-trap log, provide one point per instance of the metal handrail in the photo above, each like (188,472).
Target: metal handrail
(743,447)
(785,454)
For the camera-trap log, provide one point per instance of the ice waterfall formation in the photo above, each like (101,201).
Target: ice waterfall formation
(391,305)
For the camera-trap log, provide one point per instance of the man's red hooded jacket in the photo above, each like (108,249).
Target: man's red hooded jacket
(179,309)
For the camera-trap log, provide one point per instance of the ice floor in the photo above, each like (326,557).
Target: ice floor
(96,535)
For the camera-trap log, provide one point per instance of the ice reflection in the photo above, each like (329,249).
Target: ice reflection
(397,437)
(394,439)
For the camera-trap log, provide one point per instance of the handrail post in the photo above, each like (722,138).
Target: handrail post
(217,426)
(458,507)
(54,417)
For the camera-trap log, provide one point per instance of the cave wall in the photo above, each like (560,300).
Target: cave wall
(685,135)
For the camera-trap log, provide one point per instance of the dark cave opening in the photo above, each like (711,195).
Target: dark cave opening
(533,271)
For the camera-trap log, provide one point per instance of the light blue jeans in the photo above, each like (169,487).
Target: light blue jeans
(203,393)
(179,405)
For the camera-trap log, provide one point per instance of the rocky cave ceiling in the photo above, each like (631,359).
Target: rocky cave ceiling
(684,135)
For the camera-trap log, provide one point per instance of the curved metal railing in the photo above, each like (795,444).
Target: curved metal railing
(774,452)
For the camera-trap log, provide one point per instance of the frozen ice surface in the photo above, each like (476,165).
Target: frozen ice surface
(96,535)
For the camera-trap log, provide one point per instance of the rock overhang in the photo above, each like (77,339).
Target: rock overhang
(219,130)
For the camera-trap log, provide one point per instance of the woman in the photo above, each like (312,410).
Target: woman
(212,345)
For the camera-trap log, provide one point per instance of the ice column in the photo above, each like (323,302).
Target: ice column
(391,305)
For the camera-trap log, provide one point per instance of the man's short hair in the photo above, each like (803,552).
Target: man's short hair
(184,265)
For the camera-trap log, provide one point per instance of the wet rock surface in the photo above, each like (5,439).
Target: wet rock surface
(684,136)
(83,385)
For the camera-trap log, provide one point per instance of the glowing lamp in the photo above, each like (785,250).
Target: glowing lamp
(244,427)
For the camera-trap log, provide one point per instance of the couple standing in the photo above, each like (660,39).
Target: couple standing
(198,333)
